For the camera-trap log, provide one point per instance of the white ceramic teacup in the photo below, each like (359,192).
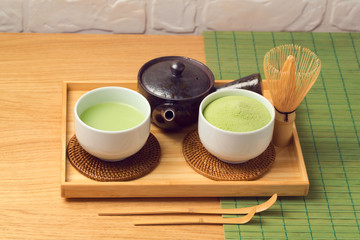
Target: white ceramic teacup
(112,145)
(235,147)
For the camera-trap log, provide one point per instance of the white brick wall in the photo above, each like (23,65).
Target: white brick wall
(178,16)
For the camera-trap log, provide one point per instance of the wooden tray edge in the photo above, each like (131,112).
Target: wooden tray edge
(63,137)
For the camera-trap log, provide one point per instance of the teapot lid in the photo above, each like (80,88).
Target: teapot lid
(175,77)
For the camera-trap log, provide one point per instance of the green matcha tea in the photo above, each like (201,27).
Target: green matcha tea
(112,116)
(237,114)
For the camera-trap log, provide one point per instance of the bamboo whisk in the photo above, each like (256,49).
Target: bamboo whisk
(290,71)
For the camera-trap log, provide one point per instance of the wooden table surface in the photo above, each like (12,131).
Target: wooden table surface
(32,69)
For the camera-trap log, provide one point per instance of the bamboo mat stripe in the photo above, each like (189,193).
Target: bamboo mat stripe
(328,124)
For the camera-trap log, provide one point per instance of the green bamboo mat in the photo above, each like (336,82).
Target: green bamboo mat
(328,123)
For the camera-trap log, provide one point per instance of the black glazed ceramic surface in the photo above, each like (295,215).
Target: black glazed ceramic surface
(175,87)
(175,78)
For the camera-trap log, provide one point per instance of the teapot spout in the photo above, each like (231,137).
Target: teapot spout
(171,116)
(168,114)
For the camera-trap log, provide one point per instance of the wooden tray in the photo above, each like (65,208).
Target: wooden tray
(174,177)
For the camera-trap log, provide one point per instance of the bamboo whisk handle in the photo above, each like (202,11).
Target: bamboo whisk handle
(283,130)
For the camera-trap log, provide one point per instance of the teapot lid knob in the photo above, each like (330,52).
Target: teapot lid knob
(177,68)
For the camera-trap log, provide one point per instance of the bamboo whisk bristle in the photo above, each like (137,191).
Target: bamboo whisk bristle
(290,71)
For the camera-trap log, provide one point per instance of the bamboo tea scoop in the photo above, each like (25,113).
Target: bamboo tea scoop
(258,208)
(198,220)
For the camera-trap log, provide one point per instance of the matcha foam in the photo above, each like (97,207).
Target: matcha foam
(237,114)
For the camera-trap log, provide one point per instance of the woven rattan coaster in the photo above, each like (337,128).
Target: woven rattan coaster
(211,167)
(135,166)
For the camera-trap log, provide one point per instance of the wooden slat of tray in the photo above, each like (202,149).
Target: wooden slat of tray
(174,177)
